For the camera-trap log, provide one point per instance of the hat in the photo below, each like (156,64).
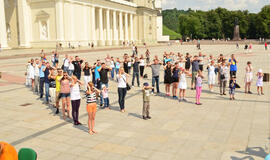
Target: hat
(146,84)
(103,85)
(260,70)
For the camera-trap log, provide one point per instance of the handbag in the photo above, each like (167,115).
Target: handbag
(222,76)
(128,86)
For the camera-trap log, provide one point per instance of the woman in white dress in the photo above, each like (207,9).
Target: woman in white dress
(211,75)
(248,77)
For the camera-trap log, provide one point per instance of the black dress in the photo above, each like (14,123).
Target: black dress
(187,64)
(126,67)
(168,76)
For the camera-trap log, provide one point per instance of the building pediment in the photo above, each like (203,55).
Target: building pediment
(42,15)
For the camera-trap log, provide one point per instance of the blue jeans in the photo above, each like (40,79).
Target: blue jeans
(117,70)
(121,97)
(41,86)
(101,97)
(65,69)
(135,74)
(47,86)
(112,73)
(70,72)
(106,102)
(155,80)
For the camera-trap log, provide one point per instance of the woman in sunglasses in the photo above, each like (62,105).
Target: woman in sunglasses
(65,94)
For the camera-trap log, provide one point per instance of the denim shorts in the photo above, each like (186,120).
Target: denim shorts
(64,95)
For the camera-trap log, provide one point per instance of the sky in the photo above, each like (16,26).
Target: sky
(253,6)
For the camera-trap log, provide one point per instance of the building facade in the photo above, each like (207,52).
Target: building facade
(45,23)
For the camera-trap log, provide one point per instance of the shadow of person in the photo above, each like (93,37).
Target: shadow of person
(135,115)
(254,151)
(243,158)
(81,127)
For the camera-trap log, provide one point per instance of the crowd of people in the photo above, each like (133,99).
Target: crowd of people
(63,81)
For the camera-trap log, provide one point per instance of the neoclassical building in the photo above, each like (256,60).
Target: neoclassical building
(44,23)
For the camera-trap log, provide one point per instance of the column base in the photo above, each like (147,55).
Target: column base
(108,42)
(101,43)
(115,42)
(121,42)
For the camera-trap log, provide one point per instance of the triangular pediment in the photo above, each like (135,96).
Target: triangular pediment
(42,15)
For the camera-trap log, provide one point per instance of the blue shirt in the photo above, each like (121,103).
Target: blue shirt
(233,66)
(167,60)
(41,73)
(97,75)
(117,65)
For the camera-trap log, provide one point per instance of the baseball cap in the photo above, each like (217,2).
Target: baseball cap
(146,84)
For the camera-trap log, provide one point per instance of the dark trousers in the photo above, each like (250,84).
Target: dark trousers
(121,97)
(155,80)
(222,86)
(141,70)
(106,102)
(77,74)
(135,74)
(41,86)
(75,109)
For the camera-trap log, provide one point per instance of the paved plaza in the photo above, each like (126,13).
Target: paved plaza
(220,129)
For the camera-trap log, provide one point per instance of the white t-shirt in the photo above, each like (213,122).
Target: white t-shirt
(71,67)
(37,70)
(31,71)
(66,62)
(201,60)
(112,64)
(141,62)
(129,64)
(75,92)
(122,81)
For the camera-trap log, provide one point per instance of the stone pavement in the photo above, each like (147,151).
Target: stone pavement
(220,129)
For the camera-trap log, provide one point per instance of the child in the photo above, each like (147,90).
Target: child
(232,86)
(105,97)
(182,85)
(146,101)
(199,78)
(248,77)
(259,83)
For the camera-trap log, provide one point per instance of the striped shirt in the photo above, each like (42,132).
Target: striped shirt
(91,98)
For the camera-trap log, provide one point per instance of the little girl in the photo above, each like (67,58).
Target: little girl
(259,83)
(199,78)
(182,85)
(248,78)
(105,97)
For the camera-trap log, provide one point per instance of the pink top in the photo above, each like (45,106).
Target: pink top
(65,88)
(105,93)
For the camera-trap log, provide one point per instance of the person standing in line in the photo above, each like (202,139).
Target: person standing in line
(117,65)
(175,79)
(211,75)
(65,63)
(129,65)
(188,62)
(65,94)
(182,84)
(105,96)
(147,55)
(36,76)
(155,67)
(56,59)
(75,98)
(104,80)
(42,67)
(233,65)
(195,69)
(97,75)
(112,65)
(199,87)
(31,75)
(168,77)
(91,98)
(141,64)
(52,86)
(122,79)
(136,72)
(70,67)
(125,64)
(223,77)
(77,67)
(248,77)
(57,79)
(201,61)
(146,101)
(232,86)
(47,81)
(259,82)
(87,78)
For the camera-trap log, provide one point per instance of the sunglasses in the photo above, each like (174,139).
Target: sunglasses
(65,75)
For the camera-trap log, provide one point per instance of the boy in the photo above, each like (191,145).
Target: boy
(104,93)
(232,87)
(146,101)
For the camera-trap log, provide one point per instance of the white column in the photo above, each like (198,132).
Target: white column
(59,20)
(115,34)
(101,38)
(23,23)
(121,34)
(108,28)
(126,27)
(93,27)
(131,28)
(86,25)
(3,29)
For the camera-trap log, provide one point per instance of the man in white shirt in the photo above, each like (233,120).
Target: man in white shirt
(36,76)
(65,63)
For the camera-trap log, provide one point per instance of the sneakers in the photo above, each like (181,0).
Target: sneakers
(144,118)
(148,117)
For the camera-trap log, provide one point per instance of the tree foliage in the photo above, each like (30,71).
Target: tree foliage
(218,23)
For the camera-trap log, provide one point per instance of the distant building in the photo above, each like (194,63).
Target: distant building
(45,23)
